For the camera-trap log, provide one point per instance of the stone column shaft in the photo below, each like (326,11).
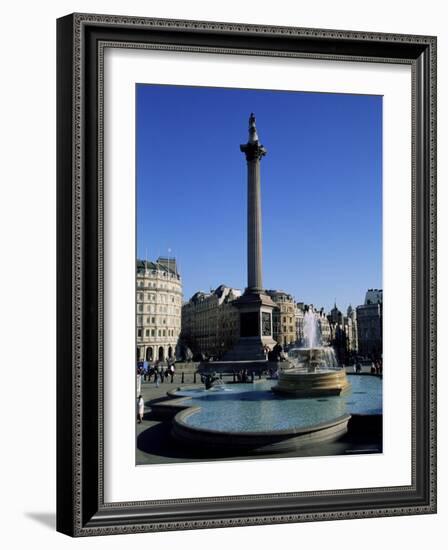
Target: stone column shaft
(254,249)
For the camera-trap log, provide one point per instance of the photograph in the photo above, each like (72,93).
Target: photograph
(246,273)
(258,274)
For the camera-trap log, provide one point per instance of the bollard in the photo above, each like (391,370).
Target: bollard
(194,377)
(183,377)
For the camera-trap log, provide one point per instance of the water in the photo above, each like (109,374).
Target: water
(312,354)
(311,330)
(254,407)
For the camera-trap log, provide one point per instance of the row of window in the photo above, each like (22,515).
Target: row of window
(170,310)
(159,273)
(157,320)
(164,298)
(153,332)
(150,284)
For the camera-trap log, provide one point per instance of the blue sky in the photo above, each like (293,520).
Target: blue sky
(321,185)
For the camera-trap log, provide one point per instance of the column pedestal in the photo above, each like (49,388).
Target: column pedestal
(255,311)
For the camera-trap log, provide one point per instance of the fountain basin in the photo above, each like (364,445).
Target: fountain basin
(304,383)
(272,441)
(254,419)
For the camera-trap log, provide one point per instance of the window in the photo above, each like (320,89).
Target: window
(153,320)
(147,332)
(153,332)
(140,307)
(139,332)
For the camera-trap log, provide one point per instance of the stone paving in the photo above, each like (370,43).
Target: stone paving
(155,446)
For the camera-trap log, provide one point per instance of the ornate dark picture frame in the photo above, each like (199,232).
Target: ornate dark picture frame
(81,509)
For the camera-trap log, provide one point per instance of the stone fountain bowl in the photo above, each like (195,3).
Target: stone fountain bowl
(317,382)
(323,356)
(270,441)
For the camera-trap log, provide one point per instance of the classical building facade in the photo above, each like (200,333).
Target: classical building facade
(210,321)
(158,309)
(284,317)
(370,324)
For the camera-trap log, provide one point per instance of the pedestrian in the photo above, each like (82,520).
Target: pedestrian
(277,352)
(156,374)
(140,409)
(172,372)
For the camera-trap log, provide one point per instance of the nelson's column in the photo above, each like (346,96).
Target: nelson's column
(255,306)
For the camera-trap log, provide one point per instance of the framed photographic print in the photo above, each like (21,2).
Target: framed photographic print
(246,274)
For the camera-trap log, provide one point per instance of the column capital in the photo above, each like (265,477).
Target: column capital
(253,151)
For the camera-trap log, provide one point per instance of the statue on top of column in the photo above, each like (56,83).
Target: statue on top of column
(253,136)
(253,149)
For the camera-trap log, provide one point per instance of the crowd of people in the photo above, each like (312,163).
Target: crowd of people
(157,371)
(376,366)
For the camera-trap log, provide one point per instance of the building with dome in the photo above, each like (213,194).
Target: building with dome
(158,309)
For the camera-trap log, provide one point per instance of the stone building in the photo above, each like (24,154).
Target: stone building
(158,309)
(284,317)
(210,322)
(370,324)
(324,326)
(343,333)
(299,313)
(335,316)
(351,330)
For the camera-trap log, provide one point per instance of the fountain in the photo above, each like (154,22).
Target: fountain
(211,381)
(251,418)
(307,406)
(315,369)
